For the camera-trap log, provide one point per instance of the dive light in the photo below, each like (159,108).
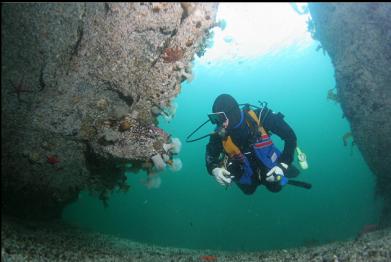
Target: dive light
(302,159)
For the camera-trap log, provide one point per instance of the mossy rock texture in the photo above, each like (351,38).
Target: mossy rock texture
(72,71)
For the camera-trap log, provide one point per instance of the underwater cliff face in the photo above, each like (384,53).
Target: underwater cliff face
(357,38)
(81,89)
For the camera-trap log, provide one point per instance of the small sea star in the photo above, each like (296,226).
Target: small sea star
(171,55)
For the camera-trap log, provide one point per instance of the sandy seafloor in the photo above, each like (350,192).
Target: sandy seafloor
(55,241)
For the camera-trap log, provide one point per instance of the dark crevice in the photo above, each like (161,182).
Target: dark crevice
(107,8)
(42,84)
(80,33)
(76,47)
(128,99)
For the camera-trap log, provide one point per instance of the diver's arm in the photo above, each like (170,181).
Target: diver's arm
(213,150)
(275,123)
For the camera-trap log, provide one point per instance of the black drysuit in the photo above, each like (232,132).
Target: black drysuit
(242,138)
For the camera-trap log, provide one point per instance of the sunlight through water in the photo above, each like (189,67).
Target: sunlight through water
(255,29)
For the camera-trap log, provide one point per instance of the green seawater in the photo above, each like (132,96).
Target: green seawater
(190,209)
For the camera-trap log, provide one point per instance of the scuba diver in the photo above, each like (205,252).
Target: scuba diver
(242,151)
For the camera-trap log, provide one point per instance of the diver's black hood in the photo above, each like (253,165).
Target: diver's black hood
(227,104)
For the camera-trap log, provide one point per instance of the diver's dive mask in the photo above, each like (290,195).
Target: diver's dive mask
(218,118)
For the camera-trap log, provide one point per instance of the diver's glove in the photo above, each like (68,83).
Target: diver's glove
(222,175)
(277,173)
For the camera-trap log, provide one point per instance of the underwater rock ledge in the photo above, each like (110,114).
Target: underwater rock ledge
(55,241)
(357,37)
(82,86)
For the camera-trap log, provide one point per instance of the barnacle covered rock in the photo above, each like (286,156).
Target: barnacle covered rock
(357,39)
(102,104)
(98,69)
(125,124)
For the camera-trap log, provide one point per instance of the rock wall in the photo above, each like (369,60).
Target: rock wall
(357,37)
(82,85)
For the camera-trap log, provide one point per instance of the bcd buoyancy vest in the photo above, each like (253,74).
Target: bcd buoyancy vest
(262,145)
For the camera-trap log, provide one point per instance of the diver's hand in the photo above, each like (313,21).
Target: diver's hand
(222,175)
(276,173)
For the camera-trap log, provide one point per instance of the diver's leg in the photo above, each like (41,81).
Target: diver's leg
(273,186)
(247,189)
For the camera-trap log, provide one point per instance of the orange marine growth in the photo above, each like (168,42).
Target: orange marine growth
(208,258)
(171,55)
(53,159)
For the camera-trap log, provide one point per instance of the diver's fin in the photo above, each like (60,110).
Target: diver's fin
(299,184)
